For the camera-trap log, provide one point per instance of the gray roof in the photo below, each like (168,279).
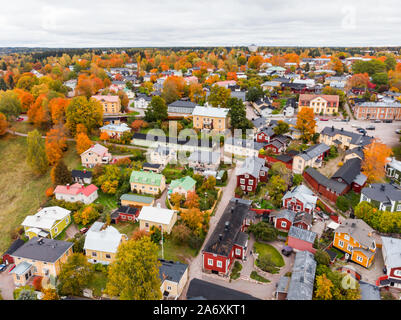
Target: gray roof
(285,214)
(172,271)
(337,187)
(392,252)
(357,229)
(382,192)
(204,157)
(356,138)
(259,122)
(238,94)
(314,151)
(302,234)
(358,151)
(183,103)
(245,143)
(369,291)
(48,250)
(349,170)
(282,285)
(251,166)
(302,277)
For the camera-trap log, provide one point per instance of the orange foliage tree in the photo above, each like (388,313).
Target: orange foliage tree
(375,159)
(192,200)
(104,136)
(193,218)
(306,123)
(83,142)
(358,80)
(55,144)
(3,124)
(26,99)
(57,109)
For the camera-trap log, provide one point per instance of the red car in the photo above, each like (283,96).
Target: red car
(83,230)
(324,119)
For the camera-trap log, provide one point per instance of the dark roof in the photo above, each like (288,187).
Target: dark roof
(234,215)
(331,254)
(151,165)
(200,289)
(349,170)
(303,217)
(314,151)
(259,122)
(14,246)
(358,151)
(296,86)
(48,250)
(81,174)
(337,187)
(356,138)
(166,139)
(172,271)
(183,103)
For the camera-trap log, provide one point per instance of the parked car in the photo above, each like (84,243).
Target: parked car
(398,131)
(83,230)
(361,130)
(324,119)
(377,121)
(388,121)
(370,128)
(3,267)
(20,119)
(286,251)
(323,215)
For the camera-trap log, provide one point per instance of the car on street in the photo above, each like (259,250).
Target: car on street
(324,119)
(3,267)
(398,131)
(377,121)
(355,125)
(286,251)
(361,130)
(388,121)
(370,128)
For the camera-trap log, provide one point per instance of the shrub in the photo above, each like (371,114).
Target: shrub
(263,231)
(340,164)
(322,257)
(181,234)
(342,203)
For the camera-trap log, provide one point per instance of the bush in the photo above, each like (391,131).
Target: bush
(266,263)
(257,277)
(236,271)
(181,234)
(263,231)
(322,257)
(342,203)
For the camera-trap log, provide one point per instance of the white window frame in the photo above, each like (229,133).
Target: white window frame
(346,237)
(242,181)
(209,262)
(238,251)
(219,264)
(341,243)
(359,258)
(249,188)
(283,224)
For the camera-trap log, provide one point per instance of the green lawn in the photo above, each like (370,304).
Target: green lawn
(126,227)
(107,200)
(256,276)
(23,127)
(176,252)
(264,248)
(21,192)
(98,283)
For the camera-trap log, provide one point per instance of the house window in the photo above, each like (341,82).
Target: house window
(249,188)
(359,258)
(147,225)
(108,256)
(55,230)
(397,273)
(238,252)
(250,182)
(346,237)
(242,181)
(399,207)
(262,173)
(246,176)
(283,224)
(210,262)
(349,248)
(243,187)
(219,264)
(341,243)
(94,254)
(168,288)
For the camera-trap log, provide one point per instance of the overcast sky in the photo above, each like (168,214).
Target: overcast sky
(117,23)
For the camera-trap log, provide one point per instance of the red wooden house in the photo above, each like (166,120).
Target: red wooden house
(275,146)
(300,199)
(301,240)
(265,135)
(125,214)
(228,240)
(250,173)
(285,219)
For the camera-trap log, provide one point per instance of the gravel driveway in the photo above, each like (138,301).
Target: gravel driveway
(7,285)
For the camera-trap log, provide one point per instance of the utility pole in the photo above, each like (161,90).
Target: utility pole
(162,243)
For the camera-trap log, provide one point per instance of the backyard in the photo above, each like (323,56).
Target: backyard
(174,252)
(269,259)
(21,192)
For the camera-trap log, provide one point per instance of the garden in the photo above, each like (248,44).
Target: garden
(269,259)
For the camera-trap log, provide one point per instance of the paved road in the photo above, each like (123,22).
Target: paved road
(347,108)
(6,285)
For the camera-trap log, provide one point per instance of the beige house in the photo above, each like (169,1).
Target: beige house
(210,118)
(110,104)
(102,242)
(343,138)
(147,182)
(96,154)
(39,257)
(321,104)
(157,217)
(311,157)
(174,277)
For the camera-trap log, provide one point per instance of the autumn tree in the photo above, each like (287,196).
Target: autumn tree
(60,174)
(134,274)
(110,179)
(306,123)
(3,124)
(173,89)
(276,188)
(104,136)
(55,144)
(86,215)
(75,275)
(375,159)
(255,62)
(323,288)
(192,200)
(36,154)
(83,142)
(175,199)
(218,96)
(50,294)
(83,111)
(10,104)
(57,110)
(193,218)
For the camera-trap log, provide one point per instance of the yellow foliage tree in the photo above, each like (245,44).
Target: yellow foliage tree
(306,123)
(375,159)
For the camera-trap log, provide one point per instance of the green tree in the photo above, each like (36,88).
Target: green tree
(110,179)
(322,257)
(10,105)
(3,85)
(75,275)
(134,274)
(276,188)
(83,111)
(219,96)
(157,110)
(281,128)
(263,231)
(254,94)
(297,179)
(36,154)
(380,78)
(237,113)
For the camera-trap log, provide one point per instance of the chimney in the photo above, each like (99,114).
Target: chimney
(68,186)
(332,128)
(227,226)
(220,237)
(342,129)
(382,187)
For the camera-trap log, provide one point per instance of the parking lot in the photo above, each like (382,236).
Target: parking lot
(6,285)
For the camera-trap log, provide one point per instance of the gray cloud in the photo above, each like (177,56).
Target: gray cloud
(199,23)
